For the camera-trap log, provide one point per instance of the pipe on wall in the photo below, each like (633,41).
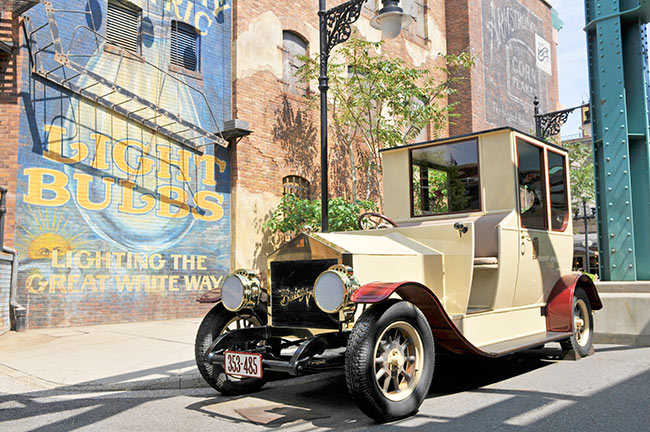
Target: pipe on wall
(17,312)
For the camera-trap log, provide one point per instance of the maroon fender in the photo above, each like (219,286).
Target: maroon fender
(560,302)
(444,331)
(211,296)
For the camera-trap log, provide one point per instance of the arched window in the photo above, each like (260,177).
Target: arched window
(296,185)
(185,47)
(293,45)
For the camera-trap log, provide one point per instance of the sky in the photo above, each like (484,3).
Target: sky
(572,60)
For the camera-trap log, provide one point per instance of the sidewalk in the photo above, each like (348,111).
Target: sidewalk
(131,356)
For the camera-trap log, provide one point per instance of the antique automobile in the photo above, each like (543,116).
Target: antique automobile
(472,256)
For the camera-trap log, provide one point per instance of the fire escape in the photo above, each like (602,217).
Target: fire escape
(72,63)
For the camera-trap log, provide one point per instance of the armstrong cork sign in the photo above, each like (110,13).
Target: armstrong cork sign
(518,63)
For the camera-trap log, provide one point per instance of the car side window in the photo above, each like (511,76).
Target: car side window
(532,194)
(558,191)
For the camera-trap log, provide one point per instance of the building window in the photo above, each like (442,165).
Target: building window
(418,10)
(295,185)
(532,193)
(185,46)
(293,46)
(123,25)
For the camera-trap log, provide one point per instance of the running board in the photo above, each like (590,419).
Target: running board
(503,348)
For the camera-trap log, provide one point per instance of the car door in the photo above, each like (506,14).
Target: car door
(534,241)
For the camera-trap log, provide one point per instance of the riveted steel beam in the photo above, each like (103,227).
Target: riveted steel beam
(619,87)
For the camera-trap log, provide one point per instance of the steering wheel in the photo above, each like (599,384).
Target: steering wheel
(373,220)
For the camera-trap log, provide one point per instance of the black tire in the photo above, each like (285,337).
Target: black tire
(213,325)
(583,335)
(361,371)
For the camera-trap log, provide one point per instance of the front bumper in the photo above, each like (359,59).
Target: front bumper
(307,357)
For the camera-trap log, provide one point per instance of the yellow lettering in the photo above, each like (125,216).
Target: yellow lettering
(57,282)
(77,259)
(102,281)
(215,209)
(205,284)
(72,281)
(200,262)
(191,283)
(55,147)
(188,11)
(210,162)
(124,283)
(83,191)
(55,259)
(40,284)
(36,185)
(169,157)
(89,283)
(120,153)
(156,261)
(197,23)
(127,205)
(167,201)
(100,161)
(173,280)
(176,258)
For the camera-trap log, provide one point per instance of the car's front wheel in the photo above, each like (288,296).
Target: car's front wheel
(389,360)
(217,322)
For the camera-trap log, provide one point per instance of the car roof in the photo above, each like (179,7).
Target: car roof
(473,134)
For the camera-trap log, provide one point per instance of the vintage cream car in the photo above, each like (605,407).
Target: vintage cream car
(473,256)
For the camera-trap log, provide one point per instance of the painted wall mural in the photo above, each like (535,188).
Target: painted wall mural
(116,221)
(517,64)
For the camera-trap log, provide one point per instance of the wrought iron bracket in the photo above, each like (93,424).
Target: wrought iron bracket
(338,24)
(550,124)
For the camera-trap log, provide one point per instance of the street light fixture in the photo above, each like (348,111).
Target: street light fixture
(335,28)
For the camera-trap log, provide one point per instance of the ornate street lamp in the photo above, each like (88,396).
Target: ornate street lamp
(335,28)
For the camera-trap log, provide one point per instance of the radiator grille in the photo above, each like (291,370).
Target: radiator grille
(292,300)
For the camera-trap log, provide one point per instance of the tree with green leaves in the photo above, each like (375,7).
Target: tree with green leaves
(378,102)
(581,173)
(294,215)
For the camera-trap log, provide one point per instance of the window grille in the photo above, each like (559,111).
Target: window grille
(185,46)
(296,185)
(292,46)
(123,25)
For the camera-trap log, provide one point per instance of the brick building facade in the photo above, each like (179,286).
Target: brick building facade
(125,205)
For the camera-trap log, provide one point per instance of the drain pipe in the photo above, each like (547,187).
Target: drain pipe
(17,311)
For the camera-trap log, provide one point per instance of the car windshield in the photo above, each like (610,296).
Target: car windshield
(445,179)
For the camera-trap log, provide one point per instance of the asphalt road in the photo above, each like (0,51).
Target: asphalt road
(609,391)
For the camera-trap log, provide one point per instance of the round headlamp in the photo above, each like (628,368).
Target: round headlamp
(240,290)
(334,287)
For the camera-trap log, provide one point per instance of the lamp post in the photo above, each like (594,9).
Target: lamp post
(585,217)
(335,28)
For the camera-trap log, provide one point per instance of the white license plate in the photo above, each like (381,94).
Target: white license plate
(240,364)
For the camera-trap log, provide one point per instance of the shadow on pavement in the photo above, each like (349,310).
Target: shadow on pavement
(326,402)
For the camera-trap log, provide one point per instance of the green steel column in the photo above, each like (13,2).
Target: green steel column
(618,78)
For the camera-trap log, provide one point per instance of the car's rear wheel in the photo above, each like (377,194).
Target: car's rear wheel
(389,360)
(217,322)
(583,325)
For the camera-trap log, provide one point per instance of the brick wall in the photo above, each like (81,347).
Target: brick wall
(5,281)
(286,133)
(10,73)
